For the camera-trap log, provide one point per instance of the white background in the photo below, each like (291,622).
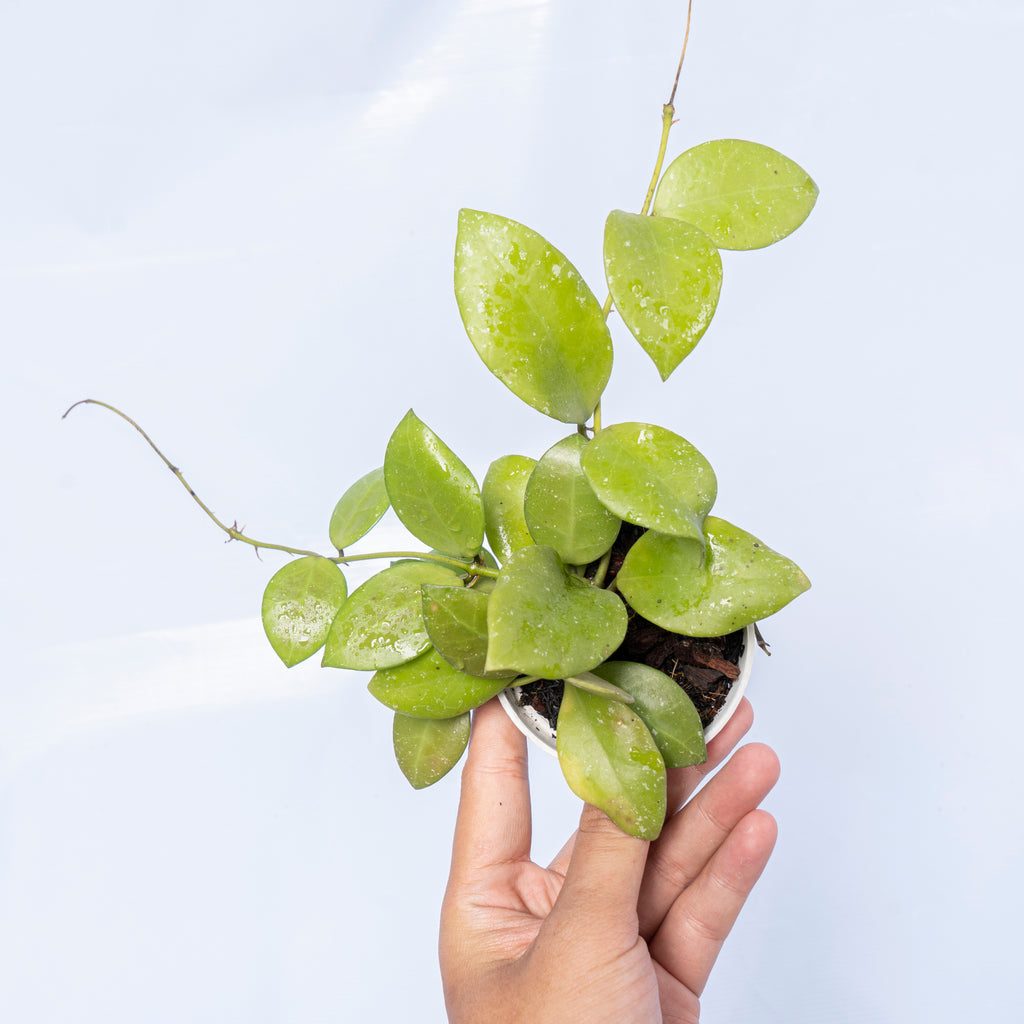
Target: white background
(236,221)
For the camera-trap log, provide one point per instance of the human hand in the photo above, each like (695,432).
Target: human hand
(617,929)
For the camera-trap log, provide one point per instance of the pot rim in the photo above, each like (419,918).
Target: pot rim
(536,727)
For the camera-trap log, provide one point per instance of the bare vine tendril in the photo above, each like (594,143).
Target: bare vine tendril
(234,533)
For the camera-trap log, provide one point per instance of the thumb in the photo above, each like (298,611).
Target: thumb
(602,882)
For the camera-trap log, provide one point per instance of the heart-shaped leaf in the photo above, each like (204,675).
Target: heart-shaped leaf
(428,748)
(611,761)
(381,624)
(359,509)
(561,508)
(428,687)
(299,604)
(456,621)
(543,621)
(503,490)
(744,195)
(432,491)
(667,711)
(665,277)
(531,317)
(649,476)
(739,580)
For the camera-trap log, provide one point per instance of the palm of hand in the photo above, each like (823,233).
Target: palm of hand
(616,929)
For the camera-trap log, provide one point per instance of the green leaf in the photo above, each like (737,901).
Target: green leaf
(432,491)
(428,687)
(611,761)
(502,491)
(665,277)
(428,748)
(667,711)
(531,317)
(562,510)
(739,580)
(543,621)
(381,624)
(649,476)
(359,509)
(593,683)
(456,621)
(299,604)
(744,195)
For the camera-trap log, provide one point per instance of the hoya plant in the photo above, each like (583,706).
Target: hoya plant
(541,576)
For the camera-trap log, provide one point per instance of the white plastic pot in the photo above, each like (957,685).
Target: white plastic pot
(537,728)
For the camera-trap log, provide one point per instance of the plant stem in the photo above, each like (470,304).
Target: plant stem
(667,113)
(666,126)
(682,56)
(470,566)
(602,569)
(234,533)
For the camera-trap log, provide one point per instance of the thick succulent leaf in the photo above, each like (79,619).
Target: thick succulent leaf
(427,749)
(665,277)
(561,508)
(667,711)
(744,195)
(432,491)
(456,621)
(359,509)
(610,760)
(503,490)
(381,624)
(299,604)
(652,477)
(739,580)
(428,687)
(531,317)
(543,621)
(592,682)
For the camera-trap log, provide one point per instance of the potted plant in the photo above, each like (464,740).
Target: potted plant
(608,599)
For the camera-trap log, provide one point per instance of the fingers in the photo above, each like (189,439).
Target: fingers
(691,838)
(683,781)
(493,823)
(690,937)
(560,863)
(602,881)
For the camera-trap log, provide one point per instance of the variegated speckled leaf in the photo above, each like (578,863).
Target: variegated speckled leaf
(650,476)
(531,317)
(665,277)
(428,748)
(561,508)
(738,580)
(432,491)
(381,624)
(744,195)
(503,489)
(299,604)
(428,687)
(456,621)
(359,509)
(667,711)
(544,621)
(610,760)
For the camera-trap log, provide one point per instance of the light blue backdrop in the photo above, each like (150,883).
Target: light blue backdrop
(236,221)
